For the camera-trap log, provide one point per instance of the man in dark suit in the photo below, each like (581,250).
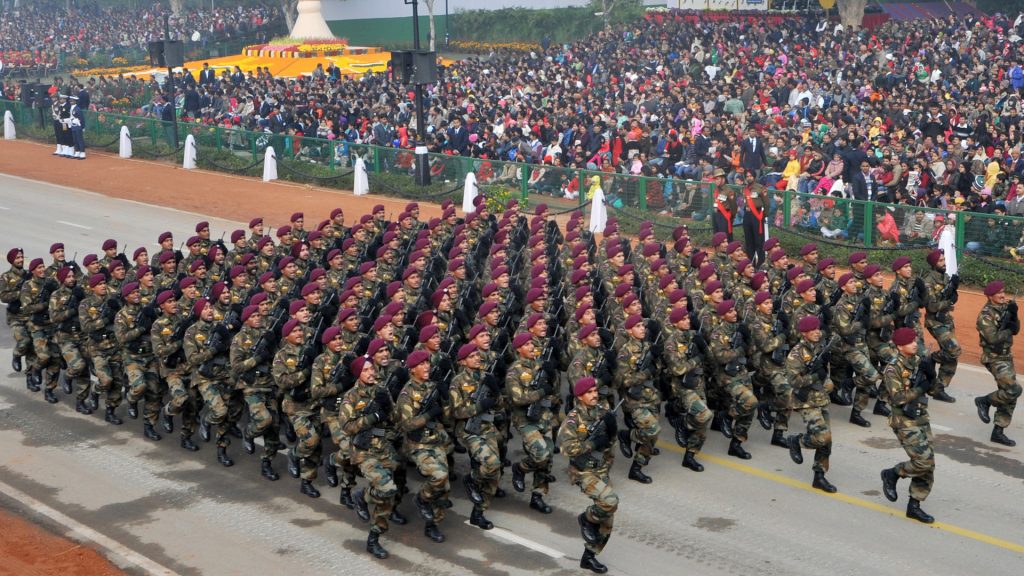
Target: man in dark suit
(859,191)
(752,153)
(207,76)
(458,137)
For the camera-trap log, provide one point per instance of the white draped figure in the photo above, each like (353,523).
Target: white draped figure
(469,193)
(189,161)
(360,181)
(9,132)
(269,165)
(598,211)
(947,243)
(125,148)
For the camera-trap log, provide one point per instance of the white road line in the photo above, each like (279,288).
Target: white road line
(72,224)
(4,208)
(83,532)
(514,538)
(942,428)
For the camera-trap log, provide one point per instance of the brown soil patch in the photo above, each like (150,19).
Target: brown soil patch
(28,550)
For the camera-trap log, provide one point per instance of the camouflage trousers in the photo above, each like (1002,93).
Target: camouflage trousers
(485,462)
(22,342)
(109,375)
(264,420)
(379,471)
(183,401)
(339,458)
(856,366)
(946,356)
(47,356)
(307,448)
(644,429)
(144,384)
(432,463)
(742,407)
(782,393)
(917,441)
(217,397)
(73,352)
(818,436)
(691,406)
(538,447)
(1004,399)
(597,486)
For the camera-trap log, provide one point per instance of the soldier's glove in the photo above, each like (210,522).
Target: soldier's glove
(745,331)
(487,403)
(822,372)
(600,439)
(702,344)
(549,367)
(109,313)
(548,386)
(635,392)
(1011,308)
(801,394)
(611,425)
(382,398)
(434,410)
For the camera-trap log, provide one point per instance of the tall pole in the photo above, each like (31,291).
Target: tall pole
(423,167)
(446,34)
(170,79)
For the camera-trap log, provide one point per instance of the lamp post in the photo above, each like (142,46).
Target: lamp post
(170,79)
(446,35)
(422,160)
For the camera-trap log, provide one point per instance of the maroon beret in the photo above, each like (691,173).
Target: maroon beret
(933,257)
(109,244)
(845,278)
(129,288)
(712,285)
(248,311)
(164,236)
(427,332)
(366,267)
(476,331)
(96,279)
(900,262)
(284,231)
(718,238)
(345,313)
(237,235)
(857,257)
(904,336)
(330,334)
(258,298)
(262,242)
(770,243)
(994,287)
(486,308)
(356,367)
(758,280)
(587,331)
(705,272)
(376,345)
(534,294)
(581,311)
(677,314)
(825,263)
(90,258)
(465,350)
(114,265)
(266,277)
(777,255)
(255,222)
(309,289)
(295,306)
(676,295)
(583,385)
(808,323)
(381,322)
(804,286)
(733,246)
(196,265)
(533,320)
(633,321)
(297,216)
(793,272)
(761,297)
(416,358)
(202,225)
(724,306)
(197,308)
(12,254)
(289,327)
(186,282)
(192,241)
(164,297)
(808,248)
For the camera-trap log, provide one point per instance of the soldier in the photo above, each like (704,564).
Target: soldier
(906,390)
(250,358)
(809,255)
(770,352)
(473,398)
(131,326)
(291,371)
(998,323)
(364,416)
(64,314)
(35,303)
(849,321)
(10,294)
(166,242)
(880,326)
(636,383)
(206,350)
(911,298)
(529,387)
(684,355)
(167,335)
(587,437)
(807,372)
(96,316)
(728,347)
(327,383)
(940,297)
(417,415)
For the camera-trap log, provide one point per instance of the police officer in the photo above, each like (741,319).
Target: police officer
(998,323)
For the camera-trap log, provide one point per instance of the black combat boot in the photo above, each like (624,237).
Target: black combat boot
(82,408)
(30,382)
(248,444)
(397,517)
(537,503)
(727,426)
(779,438)
(943,396)
(793,442)
(133,410)
(373,546)
(112,418)
(65,383)
(362,510)
(149,432)
(499,492)
(235,431)
(764,416)
(293,465)
(331,472)
(476,518)
(590,562)
(999,438)
(267,471)
(736,449)
(839,399)
(431,531)
(167,421)
(345,499)
(635,473)
(690,461)
(588,530)
(426,512)
(518,478)
(204,429)
(914,511)
(625,444)
(889,479)
(16,363)
(188,444)
(716,422)
(822,483)
(472,490)
(94,401)
(306,487)
(881,409)
(682,435)
(984,403)
(50,396)
(222,457)
(857,420)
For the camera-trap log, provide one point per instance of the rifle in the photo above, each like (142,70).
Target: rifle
(596,428)
(486,390)
(780,327)
(892,301)
(146,314)
(396,380)
(432,398)
(950,291)
(916,295)
(815,366)
(737,342)
(1009,319)
(542,383)
(219,336)
(923,379)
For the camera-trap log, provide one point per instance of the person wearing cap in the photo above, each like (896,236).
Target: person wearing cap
(858,262)
(203,234)
(337,229)
(419,411)
(853,368)
(109,248)
(365,416)
(194,252)
(473,399)
(327,378)
(825,278)
(906,389)
(754,221)
(291,371)
(806,304)
(206,351)
(63,308)
(166,242)
(940,297)
(96,317)
(587,437)
(728,343)
(35,304)
(998,323)
(779,266)
(239,248)
(59,260)
(116,273)
(686,408)
(530,385)
(636,382)
(807,373)
(189,293)
(770,348)
(139,258)
(166,273)
(593,360)
(166,337)
(250,357)
(911,291)
(131,327)
(10,294)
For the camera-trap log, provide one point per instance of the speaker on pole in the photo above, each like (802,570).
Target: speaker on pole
(174,53)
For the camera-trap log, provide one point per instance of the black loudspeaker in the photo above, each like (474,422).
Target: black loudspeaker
(156,54)
(174,54)
(402,66)
(424,67)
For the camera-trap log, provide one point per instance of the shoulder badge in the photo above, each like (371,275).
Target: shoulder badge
(806,356)
(166,332)
(526,377)
(200,337)
(906,373)
(581,429)
(360,405)
(290,362)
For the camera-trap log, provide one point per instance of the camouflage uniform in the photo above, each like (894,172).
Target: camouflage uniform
(880,348)
(853,349)
(139,362)
(997,356)
(938,320)
(323,389)
(209,369)
(588,362)
(297,404)
(589,469)
(810,400)
(769,346)
(64,314)
(170,354)
(688,399)
(251,373)
(483,450)
(35,302)
(731,373)
(372,450)
(96,318)
(532,422)
(908,313)
(913,432)
(426,441)
(10,294)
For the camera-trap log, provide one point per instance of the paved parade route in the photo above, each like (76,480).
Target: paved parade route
(152,507)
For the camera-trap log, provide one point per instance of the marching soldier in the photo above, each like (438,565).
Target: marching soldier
(35,303)
(250,357)
(807,372)
(684,352)
(96,316)
(327,383)
(529,387)
(728,348)
(939,300)
(291,371)
(206,350)
(770,353)
(131,326)
(849,322)
(998,323)
(64,314)
(10,294)
(167,335)
(636,383)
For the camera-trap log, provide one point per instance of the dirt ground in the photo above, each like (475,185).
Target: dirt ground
(28,550)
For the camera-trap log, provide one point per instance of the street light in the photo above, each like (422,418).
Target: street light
(422,160)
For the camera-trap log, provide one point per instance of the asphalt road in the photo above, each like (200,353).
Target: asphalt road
(155,508)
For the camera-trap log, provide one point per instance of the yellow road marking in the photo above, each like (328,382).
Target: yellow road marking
(806,487)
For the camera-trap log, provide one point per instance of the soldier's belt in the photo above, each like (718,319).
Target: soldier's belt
(379,432)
